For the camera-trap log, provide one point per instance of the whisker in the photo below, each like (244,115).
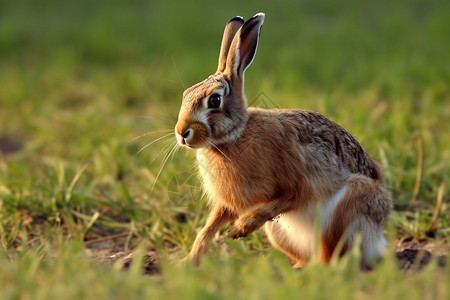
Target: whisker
(166,118)
(164,150)
(167,131)
(163,164)
(178,74)
(177,148)
(154,141)
(218,149)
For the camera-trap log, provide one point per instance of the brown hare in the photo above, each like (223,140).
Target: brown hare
(287,169)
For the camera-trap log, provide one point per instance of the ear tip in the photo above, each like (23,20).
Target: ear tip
(260,15)
(256,19)
(237,19)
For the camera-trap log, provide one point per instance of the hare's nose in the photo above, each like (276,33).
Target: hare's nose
(187,135)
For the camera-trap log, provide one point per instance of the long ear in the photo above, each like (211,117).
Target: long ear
(244,45)
(230,31)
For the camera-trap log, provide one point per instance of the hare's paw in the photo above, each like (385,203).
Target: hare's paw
(183,261)
(192,257)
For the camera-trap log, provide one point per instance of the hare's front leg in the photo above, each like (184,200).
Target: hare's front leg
(218,218)
(253,220)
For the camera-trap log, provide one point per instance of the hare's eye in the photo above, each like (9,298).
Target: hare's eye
(214,101)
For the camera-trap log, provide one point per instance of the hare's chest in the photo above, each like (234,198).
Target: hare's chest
(231,183)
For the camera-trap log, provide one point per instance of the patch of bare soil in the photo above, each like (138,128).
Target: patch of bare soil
(111,249)
(411,254)
(415,255)
(10,144)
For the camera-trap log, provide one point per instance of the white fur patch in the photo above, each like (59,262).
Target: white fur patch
(329,207)
(373,244)
(297,228)
(201,116)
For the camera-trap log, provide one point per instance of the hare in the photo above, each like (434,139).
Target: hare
(286,169)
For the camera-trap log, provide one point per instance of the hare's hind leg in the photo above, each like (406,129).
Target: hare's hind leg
(363,210)
(293,234)
(280,240)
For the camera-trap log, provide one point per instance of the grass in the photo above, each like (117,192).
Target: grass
(81,80)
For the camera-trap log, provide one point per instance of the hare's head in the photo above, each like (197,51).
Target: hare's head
(214,111)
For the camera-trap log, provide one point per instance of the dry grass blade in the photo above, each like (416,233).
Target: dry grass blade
(74,181)
(440,196)
(107,238)
(419,173)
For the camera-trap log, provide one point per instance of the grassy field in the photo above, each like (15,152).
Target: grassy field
(86,85)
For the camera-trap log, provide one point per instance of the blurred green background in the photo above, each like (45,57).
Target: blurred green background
(84,85)
(76,75)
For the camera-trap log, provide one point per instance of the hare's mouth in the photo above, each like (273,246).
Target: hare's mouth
(189,145)
(194,145)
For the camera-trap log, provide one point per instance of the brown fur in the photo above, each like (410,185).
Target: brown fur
(259,164)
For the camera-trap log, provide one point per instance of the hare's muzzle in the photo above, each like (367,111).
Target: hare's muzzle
(183,133)
(191,134)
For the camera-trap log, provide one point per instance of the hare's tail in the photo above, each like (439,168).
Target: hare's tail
(377,174)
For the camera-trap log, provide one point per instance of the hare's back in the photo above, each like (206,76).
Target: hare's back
(323,141)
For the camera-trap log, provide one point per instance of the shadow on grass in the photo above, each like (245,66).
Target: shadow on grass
(411,255)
